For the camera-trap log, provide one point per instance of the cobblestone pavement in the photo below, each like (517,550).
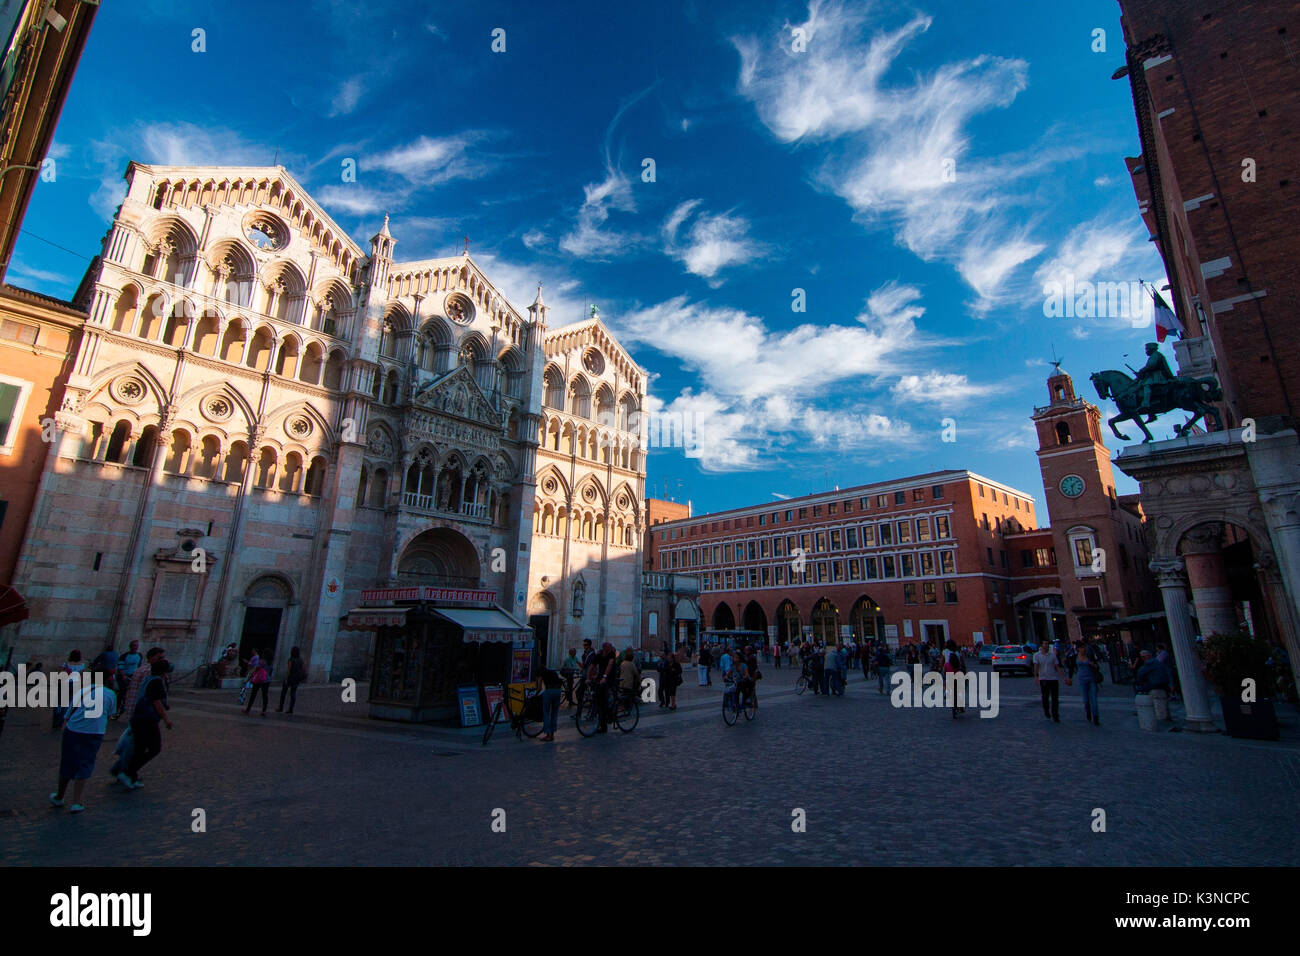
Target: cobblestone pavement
(879,785)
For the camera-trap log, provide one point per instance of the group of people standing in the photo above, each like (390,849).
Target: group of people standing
(1153,673)
(106,693)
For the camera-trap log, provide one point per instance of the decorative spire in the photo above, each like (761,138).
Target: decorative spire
(384,231)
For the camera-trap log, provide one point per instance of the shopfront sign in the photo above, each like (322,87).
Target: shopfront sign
(424,593)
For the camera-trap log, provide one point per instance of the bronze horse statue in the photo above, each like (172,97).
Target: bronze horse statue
(1190,394)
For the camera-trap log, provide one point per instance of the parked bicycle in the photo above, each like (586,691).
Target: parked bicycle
(625,712)
(804,680)
(520,709)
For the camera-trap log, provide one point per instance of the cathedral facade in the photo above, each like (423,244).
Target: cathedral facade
(265,420)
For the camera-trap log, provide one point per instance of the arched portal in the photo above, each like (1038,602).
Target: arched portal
(723,619)
(787,622)
(439,557)
(265,602)
(754,619)
(867,621)
(826,621)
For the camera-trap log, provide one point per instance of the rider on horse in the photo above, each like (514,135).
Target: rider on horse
(1155,372)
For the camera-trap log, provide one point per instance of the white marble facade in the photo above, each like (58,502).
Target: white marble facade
(263,419)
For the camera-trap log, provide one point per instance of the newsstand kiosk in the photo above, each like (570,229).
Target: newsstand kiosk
(432,645)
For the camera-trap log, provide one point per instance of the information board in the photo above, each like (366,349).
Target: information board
(467,695)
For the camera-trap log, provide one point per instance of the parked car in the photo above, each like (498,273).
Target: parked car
(986,653)
(1014,658)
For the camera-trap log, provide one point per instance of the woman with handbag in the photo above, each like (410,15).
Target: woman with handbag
(1089,682)
(672,678)
(259,676)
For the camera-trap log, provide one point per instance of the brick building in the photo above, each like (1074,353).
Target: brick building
(1096,535)
(1218,119)
(926,558)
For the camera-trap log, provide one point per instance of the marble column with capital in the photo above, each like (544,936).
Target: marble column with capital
(1196,702)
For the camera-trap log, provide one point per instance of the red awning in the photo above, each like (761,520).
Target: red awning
(12,606)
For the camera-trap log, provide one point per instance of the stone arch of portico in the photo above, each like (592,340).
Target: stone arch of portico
(1036,593)
(1169,539)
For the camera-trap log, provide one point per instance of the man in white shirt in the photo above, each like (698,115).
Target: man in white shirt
(1049,674)
(83,731)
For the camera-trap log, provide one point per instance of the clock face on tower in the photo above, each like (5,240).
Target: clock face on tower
(1071,486)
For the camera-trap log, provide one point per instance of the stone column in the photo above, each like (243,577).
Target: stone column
(1206,573)
(1169,574)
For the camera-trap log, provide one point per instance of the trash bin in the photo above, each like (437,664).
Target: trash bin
(1146,710)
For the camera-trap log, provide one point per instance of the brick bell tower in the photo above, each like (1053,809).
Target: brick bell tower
(1098,539)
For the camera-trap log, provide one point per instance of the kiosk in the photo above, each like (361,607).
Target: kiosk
(429,642)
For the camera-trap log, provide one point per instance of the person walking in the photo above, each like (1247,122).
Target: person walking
(884,661)
(73,665)
(1167,659)
(83,732)
(1049,673)
(605,681)
(150,710)
(953,663)
(1153,678)
(1089,682)
(830,670)
(127,665)
(259,676)
(672,679)
(552,691)
(705,663)
(776,655)
(295,675)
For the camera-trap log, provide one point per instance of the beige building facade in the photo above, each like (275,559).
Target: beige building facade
(264,419)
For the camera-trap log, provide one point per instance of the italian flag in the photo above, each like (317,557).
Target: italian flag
(1166,321)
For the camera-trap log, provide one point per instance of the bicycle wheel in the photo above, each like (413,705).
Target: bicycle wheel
(801,684)
(628,715)
(587,718)
(730,708)
(530,723)
(751,706)
(492,723)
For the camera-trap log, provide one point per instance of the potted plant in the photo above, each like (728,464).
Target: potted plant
(1231,660)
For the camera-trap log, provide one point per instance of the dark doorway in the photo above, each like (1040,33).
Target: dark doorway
(261,628)
(540,623)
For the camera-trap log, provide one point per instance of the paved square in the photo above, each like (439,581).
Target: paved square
(879,785)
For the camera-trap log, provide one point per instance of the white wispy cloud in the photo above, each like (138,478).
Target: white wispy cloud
(358,200)
(348,96)
(899,154)
(940,388)
(591,237)
(755,400)
(711,242)
(429,160)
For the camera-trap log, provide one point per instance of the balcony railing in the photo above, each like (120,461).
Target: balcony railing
(419,502)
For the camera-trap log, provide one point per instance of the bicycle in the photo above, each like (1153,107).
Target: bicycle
(625,713)
(804,680)
(733,705)
(527,722)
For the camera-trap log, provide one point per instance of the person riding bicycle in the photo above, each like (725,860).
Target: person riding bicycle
(741,682)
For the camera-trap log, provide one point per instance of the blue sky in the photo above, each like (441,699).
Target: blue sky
(921,171)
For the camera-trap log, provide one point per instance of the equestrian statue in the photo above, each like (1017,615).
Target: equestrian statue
(1155,390)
